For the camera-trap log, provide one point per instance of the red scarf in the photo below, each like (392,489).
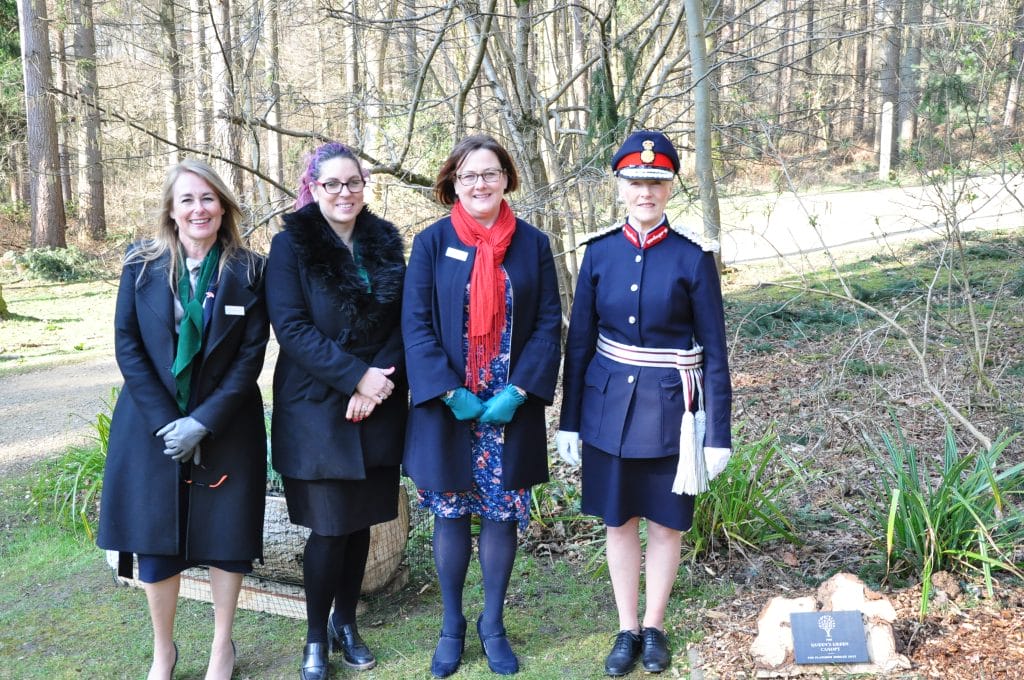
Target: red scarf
(486,286)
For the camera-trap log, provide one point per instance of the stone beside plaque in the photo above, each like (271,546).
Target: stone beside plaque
(773,649)
(828,637)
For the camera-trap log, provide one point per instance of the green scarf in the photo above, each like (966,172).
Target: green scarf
(190,335)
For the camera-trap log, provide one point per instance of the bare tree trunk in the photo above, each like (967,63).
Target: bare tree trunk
(172,96)
(273,68)
(861,70)
(910,94)
(46,203)
(888,77)
(63,116)
(203,118)
(1016,66)
(353,85)
(786,51)
(225,133)
(702,121)
(91,196)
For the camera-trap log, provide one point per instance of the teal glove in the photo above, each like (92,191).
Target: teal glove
(464,404)
(499,409)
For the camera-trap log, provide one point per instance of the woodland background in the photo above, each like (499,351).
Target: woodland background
(101,95)
(877,397)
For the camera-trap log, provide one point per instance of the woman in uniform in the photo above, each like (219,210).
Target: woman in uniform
(646,388)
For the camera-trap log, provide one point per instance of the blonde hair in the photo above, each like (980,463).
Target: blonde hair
(165,236)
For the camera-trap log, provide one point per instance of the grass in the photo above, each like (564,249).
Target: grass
(55,322)
(62,616)
(885,280)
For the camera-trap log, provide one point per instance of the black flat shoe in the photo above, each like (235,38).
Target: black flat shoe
(448,653)
(624,654)
(500,657)
(314,662)
(656,656)
(354,652)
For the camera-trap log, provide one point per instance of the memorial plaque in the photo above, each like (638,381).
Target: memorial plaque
(829,637)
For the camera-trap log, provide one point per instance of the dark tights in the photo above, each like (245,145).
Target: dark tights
(452,548)
(332,570)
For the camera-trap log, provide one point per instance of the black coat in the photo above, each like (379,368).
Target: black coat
(438,451)
(139,511)
(331,330)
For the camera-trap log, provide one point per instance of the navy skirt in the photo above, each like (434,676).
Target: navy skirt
(618,489)
(337,507)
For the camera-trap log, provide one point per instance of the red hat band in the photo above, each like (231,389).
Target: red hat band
(637,160)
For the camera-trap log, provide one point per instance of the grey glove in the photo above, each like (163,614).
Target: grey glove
(193,455)
(181,438)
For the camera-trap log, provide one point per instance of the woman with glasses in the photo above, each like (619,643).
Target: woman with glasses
(334,293)
(480,318)
(186,473)
(646,387)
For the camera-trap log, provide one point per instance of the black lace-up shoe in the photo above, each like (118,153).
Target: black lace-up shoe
(656,656)
(624,654)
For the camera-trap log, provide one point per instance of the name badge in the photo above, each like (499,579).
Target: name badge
(457,254)
(234,310)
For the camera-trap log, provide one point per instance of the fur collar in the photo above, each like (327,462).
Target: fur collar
(331,267)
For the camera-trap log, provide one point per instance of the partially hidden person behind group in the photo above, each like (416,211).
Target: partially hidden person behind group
(480,318)
(646,387)
(334,294)
(185,474)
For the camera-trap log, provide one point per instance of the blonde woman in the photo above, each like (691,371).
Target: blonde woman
(185,473)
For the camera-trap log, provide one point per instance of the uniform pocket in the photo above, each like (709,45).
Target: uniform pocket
(672,407)
(595,385)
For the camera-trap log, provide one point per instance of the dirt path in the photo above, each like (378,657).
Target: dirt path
(47,410)
(44,411)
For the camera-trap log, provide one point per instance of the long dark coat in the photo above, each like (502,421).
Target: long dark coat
(139,511)
(667,296)
(438,449)
(331,330)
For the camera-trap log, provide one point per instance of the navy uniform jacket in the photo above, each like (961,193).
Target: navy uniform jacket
(331,330)
(139,509)
(438,447)
(667,296)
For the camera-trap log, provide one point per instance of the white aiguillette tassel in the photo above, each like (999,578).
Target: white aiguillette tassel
(691,475)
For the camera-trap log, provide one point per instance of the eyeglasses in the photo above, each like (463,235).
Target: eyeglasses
(490,176)
(333,186)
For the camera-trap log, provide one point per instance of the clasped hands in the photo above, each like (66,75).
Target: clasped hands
(373,388)
(498,410)
(181,439)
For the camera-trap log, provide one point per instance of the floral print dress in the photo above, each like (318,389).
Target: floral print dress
(487,498)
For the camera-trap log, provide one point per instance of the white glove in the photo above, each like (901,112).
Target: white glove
(568,446)
(715,460)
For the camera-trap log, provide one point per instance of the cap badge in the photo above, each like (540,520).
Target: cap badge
(647,155)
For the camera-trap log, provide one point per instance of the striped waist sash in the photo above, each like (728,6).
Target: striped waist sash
(691,472)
